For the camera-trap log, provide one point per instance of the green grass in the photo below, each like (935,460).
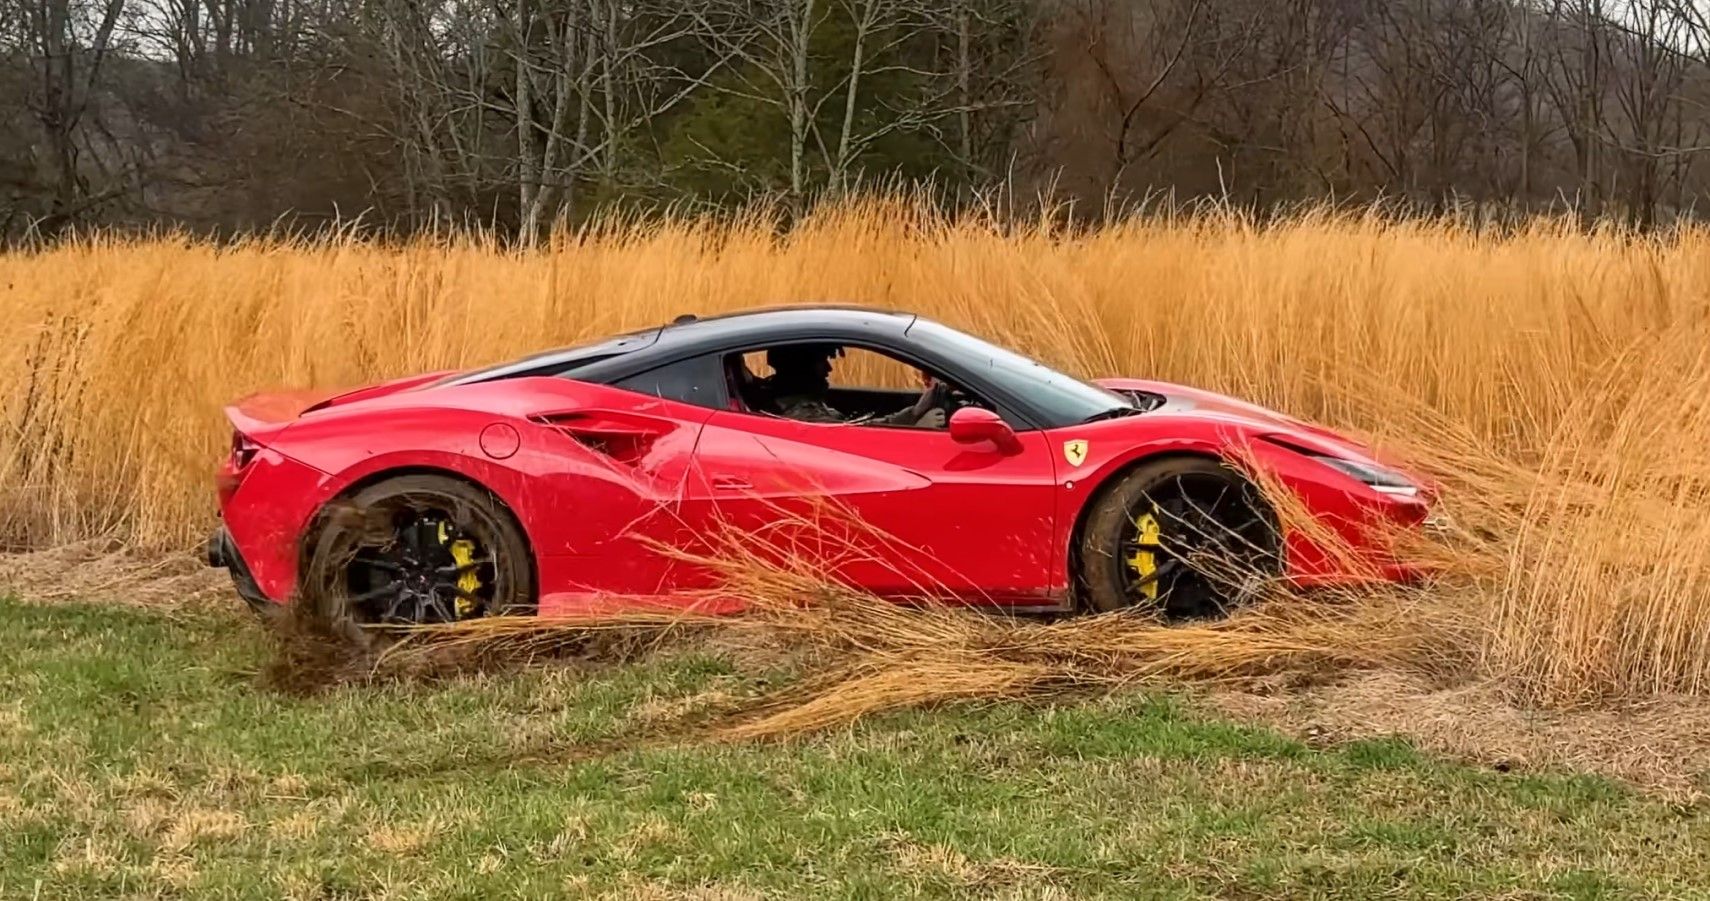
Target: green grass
(139,757)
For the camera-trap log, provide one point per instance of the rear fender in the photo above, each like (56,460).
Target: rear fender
(262,416)
(574,487)
(282,498)
(379,389)
(505,483)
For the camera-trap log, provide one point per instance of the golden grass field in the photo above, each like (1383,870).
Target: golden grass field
(1557,381)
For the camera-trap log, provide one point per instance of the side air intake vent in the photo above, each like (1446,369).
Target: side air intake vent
(622,437)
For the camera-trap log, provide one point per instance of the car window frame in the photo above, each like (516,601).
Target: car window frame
(1017,411)
(893,353)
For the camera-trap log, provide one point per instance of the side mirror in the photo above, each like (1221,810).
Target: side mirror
(972,425)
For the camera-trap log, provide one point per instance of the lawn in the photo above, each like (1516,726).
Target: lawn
(140,757)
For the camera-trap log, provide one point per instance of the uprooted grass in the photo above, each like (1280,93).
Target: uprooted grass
(109,570)
(880,656)
(859,655)
(1661,743)
(312,654)
(1329,669)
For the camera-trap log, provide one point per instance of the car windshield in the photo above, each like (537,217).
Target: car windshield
(1070,398)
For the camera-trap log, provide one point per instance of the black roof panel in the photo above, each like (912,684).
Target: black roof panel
(783,323)
(686,337)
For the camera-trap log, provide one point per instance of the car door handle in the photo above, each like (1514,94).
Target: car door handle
(730,483)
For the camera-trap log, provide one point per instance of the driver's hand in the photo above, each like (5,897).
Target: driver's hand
(933,397)
(932,419)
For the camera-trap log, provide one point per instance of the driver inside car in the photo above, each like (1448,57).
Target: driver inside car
(801,381)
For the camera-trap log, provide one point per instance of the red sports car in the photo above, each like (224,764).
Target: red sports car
(561,483)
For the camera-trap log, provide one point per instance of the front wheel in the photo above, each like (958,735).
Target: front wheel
(417,550)
(1187,537)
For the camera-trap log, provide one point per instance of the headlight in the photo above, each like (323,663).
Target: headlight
(1383,481)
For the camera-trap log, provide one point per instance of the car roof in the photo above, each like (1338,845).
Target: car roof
(689,334)
(1024,391)
(784,323)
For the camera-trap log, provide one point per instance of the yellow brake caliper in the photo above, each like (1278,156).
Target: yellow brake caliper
(462,554)
(1145,560)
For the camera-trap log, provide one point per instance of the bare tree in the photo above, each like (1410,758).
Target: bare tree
(1575,80)
(1525,36)
(771,42)
(65,44)
(1649,70)
(1118,40)
(818,65)
(1137,76)
(524,113)
(584,81)
(1395,94)
(878,27)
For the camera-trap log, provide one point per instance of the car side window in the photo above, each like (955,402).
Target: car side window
(698,381)
(860,369)
(864,387)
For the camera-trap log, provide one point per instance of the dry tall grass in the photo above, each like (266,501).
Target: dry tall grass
(857,654)
(1559,382)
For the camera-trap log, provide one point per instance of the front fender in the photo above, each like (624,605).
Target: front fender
(1352,529)
(1108,457)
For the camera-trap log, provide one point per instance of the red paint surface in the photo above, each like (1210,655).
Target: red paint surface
(600,478)
(500,441)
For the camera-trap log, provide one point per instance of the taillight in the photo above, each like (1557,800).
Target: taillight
(243,450)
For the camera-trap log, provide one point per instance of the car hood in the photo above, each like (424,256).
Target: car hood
(1164,398)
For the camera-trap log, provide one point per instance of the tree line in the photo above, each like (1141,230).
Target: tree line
(515,115)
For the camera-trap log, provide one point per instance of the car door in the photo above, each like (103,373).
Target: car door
(902,512)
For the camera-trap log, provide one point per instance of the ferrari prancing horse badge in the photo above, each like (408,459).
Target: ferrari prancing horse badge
(1075,452)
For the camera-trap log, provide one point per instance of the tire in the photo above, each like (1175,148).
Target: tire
(1210,541)
(416,550)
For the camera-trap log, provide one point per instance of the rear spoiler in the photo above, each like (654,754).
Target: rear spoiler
(379,389)
(260,415)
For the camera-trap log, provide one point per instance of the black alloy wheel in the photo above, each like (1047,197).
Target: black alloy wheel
(1184,537)
(418,550)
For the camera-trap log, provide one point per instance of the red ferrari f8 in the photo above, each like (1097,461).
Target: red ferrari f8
(558,483)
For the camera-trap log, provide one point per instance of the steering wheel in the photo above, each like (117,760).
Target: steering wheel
(954,399)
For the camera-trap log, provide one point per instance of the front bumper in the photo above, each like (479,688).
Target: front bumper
(222,553)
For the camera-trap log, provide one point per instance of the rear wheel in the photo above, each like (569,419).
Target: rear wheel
(1187,537)
(417,550)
